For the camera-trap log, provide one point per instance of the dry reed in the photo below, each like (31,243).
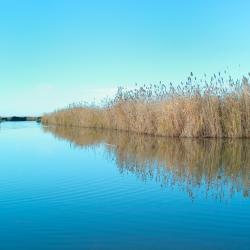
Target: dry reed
(216,107)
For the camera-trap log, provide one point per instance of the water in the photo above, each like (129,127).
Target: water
(89,189)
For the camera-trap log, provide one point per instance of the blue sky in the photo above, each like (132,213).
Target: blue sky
(55,52)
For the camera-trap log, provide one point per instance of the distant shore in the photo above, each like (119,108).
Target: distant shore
(20,118)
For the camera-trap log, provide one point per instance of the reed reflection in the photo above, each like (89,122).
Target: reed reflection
(212,168)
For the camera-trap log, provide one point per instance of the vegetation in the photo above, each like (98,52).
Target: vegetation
(214,107)
(20,118)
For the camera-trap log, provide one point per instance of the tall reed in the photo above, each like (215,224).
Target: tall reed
(214,107)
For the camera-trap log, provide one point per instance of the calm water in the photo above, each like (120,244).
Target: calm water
(89,189)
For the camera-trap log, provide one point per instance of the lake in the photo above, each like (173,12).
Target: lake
(97,189)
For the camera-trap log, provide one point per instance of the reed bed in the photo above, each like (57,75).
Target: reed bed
(216,107)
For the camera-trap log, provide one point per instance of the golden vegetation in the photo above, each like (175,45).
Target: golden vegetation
(214,168)
(218,107)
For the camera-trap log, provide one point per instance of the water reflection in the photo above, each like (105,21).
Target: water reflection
(213,168)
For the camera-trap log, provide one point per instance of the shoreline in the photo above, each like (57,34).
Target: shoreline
(20,118)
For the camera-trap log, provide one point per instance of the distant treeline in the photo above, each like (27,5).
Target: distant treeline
(20,118)
(216,106)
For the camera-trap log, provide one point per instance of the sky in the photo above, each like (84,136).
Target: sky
(56,52)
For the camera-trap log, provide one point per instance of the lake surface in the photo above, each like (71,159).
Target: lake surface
(90,189)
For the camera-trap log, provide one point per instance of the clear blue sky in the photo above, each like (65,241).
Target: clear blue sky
(54,52)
